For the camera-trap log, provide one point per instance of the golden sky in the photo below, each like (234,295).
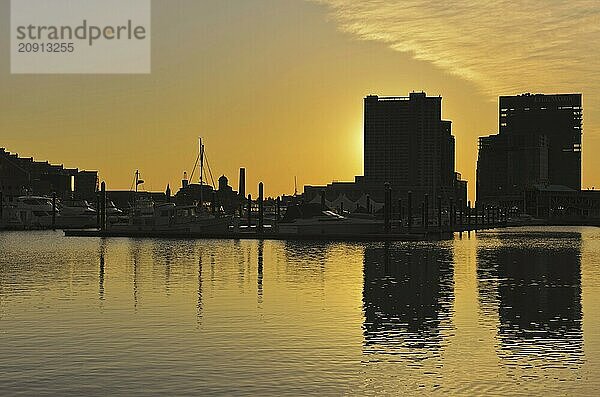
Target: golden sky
(277,86)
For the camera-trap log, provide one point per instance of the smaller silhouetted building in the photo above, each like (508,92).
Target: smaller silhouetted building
(226,196)
(23,176)
(194,193)
(557,202)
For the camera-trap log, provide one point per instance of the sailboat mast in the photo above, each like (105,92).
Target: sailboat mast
(201,149)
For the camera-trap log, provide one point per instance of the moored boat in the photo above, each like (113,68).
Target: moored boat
(311,219)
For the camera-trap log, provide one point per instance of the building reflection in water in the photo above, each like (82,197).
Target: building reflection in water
(199,306)
(537,294)
(259,278)
(306,261)
(102,250)
(135,252)
(407,295)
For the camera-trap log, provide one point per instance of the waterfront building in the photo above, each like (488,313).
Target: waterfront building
(539,143)
(21,176)
(408,145)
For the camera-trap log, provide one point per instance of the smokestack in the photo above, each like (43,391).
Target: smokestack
(242,184)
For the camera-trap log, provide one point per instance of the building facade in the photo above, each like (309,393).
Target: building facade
(539,143)
(409,146)
(21,176)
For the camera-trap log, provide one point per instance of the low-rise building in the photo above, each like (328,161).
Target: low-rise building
(21,176)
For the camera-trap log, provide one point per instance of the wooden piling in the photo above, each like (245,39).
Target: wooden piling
(461,214)
(54,211)
(103,206)
(409,213)
(468,209)
(400,212)
(426,211)
(261,214)
(249,210)
(387,209)
(452,215)
(98,210)
(439,213)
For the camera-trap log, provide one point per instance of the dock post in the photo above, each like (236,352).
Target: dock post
(468,209)
(400,212)
(53,210)
(452,214)
(475,209)
(261,214)
(461,214)
(213,202)
(484,217)
(409,212)
(103,206)
(249,210)
(482,222)
(387,209)
(439,215)
(98,210)
(426,211)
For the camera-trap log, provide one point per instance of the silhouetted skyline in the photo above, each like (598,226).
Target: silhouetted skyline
(264,90)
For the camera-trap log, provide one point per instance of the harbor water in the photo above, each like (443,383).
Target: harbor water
(506,312)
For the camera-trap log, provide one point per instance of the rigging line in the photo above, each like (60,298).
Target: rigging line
(209,170)
(132,183)
(194,169)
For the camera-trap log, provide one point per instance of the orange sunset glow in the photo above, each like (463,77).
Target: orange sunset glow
(278,86)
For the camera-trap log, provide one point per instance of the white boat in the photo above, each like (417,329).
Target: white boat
(10,218)
(75,214)
(33,211)
(112,210)
(170,218)
(310,219)
(71,207)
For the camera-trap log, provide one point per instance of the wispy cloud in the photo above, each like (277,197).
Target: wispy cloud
(503,46)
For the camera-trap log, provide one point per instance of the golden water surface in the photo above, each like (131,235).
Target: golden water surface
(500,313)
